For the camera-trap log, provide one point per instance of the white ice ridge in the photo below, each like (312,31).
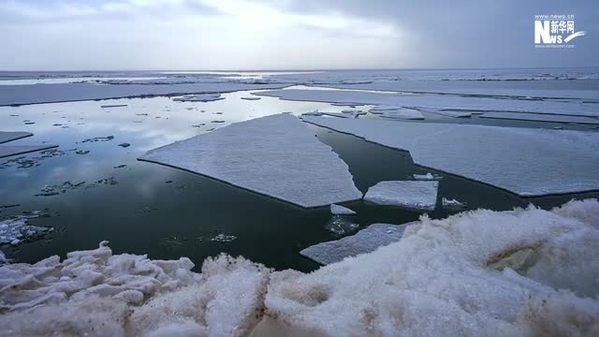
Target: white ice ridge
(420,195)
(525,161)
(365,241)
(277,156)
(526,272)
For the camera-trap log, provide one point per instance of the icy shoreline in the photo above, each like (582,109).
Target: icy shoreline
(526,272)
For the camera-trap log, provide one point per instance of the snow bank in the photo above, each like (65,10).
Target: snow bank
(450,277)
(95,293)
(421,195)
(525,161)
(436,281)
(276,155)
(365,241)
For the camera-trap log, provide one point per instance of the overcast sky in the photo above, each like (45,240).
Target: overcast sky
(286,34)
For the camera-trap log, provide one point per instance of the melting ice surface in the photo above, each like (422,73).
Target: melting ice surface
(410,287)
(277,156)
(522,160)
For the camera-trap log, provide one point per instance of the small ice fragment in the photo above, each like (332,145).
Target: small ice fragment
(199,98)
(364,241)
(421,195)
(223,238)
(453,204)
(340,210)
(341,225)
(427,176)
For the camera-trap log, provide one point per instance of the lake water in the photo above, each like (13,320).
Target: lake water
(92,187)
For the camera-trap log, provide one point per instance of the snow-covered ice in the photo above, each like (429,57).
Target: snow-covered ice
(341,210)
(276,156)
(365,241)
(448,277)
(397,112)
(525,161)
(421,195)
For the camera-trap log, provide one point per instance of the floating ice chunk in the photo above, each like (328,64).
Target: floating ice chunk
(340,210)
(525,161)
(221,237)
(251,98)
(365,241)
(452,204)
(6,136)
(421,195)
(276,155)
(199,98)
(427,176)
(14,231)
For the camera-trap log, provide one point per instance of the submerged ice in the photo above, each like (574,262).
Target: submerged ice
(277,156)
(526,272)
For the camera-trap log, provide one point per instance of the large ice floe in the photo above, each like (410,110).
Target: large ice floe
(365,241)
(525,161)
(526,272)
(421,195)
(277,156)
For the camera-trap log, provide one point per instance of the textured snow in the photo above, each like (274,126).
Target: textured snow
(340,210)
(7,136)
(276,155)
(525,161)
(365,241)
(436,281)
(421,195)
(448,277)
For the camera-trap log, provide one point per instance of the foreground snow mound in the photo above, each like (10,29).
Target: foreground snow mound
(95,293)
(525,161)
(276,155)
(436,281)
(527,272)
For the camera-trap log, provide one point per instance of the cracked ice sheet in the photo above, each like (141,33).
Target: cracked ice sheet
(277,156)
(528,162)
(432,102)
(414,194)
(365,241)
(541,117)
